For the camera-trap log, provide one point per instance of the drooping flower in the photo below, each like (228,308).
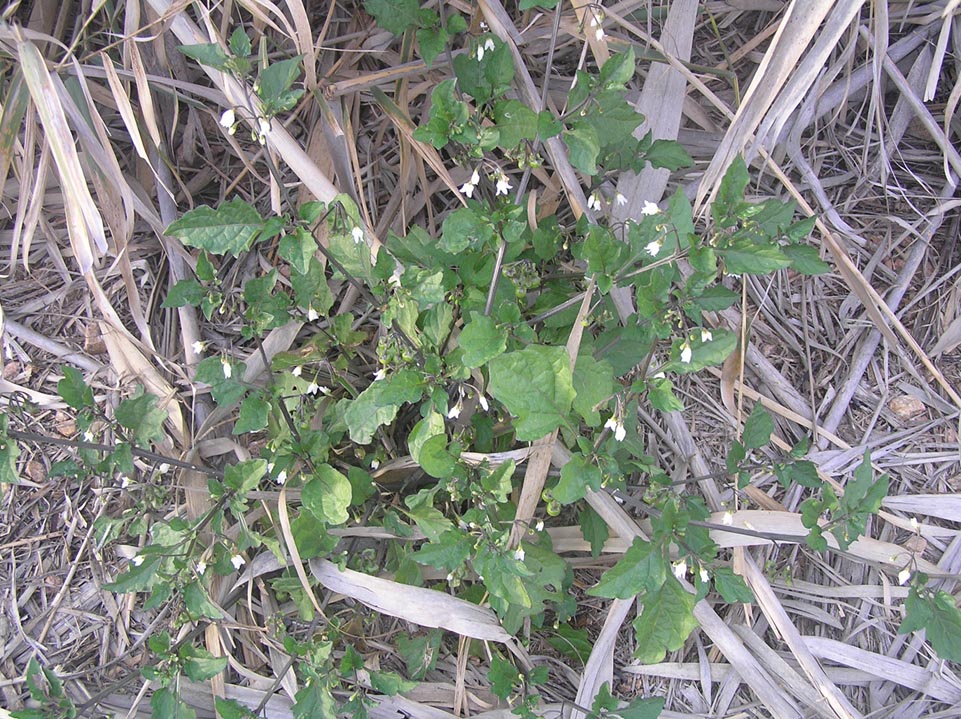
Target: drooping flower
(650,208)
(454,411)
(296,371)
(679,569)
(199,346)
(228,370)
(482,401)
(358,235)
(229,121)
(620,199)
(706,335)
(137,561)
(237,561)
(503,185)
(617,427)
(380,374)
(468,187)
(519,554)
(201,567)
(653,248)
(281,477)
(594,202)
(686,353)
(312,314)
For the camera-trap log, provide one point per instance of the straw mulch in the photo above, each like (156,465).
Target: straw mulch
(845,105)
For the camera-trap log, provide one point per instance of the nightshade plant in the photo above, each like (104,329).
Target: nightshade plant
(472,356)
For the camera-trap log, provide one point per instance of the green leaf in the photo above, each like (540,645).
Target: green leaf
(531,4)
(660,393)
(232,227)
(649,708)
(594,530)
(254,412)
(378,404)
(310,289)
(244,476)
(450,552)
(398,16)
(731,193)
(225,390)
(298,248)
(593,385)
(389,683)
(745,256)
(209,54)
(136,578)
(802,472)
(716,298)
(938,615)
(240,43)
(9,453)
(666,622)
(618,70)
(641,569)
(574,643)
(435,459)
(731,587)
(198,604)
(806,260)
(584,147)
(232,709)
(432,41)
(705,354)
(184,293)
(326,495)
(536,386)
(419,653)
(142,417)
(515,123)
(668,154)
(74,390)
(502,677)
(277,78)
(465,228)
(576,477)
(757,428)
(489,78)
(315,701)
(481,340)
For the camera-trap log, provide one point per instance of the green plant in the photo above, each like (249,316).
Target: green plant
(474,354)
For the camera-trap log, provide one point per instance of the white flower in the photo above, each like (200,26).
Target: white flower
(228,370)
(380,374)
(658,375)
(237,561)
(454,411)
(503,185)
(199,346)
(313,388)
(595,20)
(904,575)
(374,464)
(124,482)
(617,427)
(594,202)
(296,371)
(650,208)
(263,125)
(599,33)
(481,49)
(270,467)
(914,524)
(706,335)
(489,44)
(468,187)
(281,477)
(312,314)
(88,436)
(163,468)
(228,120)
(201,567)
(620,199)
(679,569)
(703,574)
(539,527)
(358,235)
(728,518)
(519,554)
(482,401)
(686,353)
(653,248)
(138,560)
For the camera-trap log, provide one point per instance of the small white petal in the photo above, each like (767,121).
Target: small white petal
(323,389)
(467,189)
(728,518)
(480,53)
(706,335)
(201,567)
(539,527)
(619,432)
(312,314)
(593,202)
(454,411)
(88,436)
(503,185)
(228,370)
(658,375)
(313,388)
(281,477)
(380,374)
(138,560)
(650,208)
(228,119)
(904,575)
(599,33)
(163,468)
(680,569)
(704,575)
(620,199)
(263,124)
(914,524)
(653,248)
(611,424)
(686,353)
(199,347)
(482,401)
(296,371)
(374,463)
(357,234)
(237,561)
(124,482)
(489,44)
(519,554)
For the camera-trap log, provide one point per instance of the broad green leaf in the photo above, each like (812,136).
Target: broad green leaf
(731,193)
(535,385)
(488,78)
(398,16)
(666,622)
(577,476)
(232,227)
(593,385)
(311,290)
(435,459)
(515,123)
(716,298)
(641,569)
(669,155)
(240,43)
(429,426)
(937,614)
(136,578)
(209,54)
(584,147)
(593,529)
(277,77)
(757,428)
(481,340)
(198,604)
(232,709)
(378,404)
(745,256)
(449,552)
(326,495)
(465,228)
(649,708)
(298,248)
(74,390)
(802,472)
(9,453)
(254,411)
(618,70)
(704,354)
(142,417)
(223,375)
(419,653)
(571,642)
(186,292)
(502,677)
(432,41)
(531,4)
(660,393)
(315,701)
(806,260)
(731,587)
(389,683)
(244,476)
